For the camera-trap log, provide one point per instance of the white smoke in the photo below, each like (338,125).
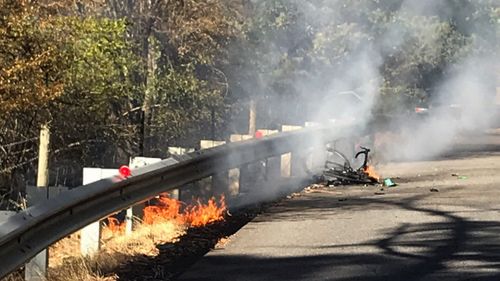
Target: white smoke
(461,103)
(464,105)
(464,92)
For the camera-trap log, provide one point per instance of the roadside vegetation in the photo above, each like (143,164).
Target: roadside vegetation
(114,78)
(162,224)
(117,78)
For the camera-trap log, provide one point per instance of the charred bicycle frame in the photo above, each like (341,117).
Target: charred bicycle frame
(335,173)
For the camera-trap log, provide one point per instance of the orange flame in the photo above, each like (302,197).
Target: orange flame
(197,215)
(115,226)
(168,209)
(370,171)
(201,214)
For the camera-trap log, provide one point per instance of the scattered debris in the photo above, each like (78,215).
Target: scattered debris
(325,191)
(222,243)
(317,188)
(313,188)
(293,195)
(389,182)
(434,190)
(460,177)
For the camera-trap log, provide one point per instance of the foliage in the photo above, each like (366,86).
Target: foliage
(29,56)
(305,49)
(99,87)
(75,73)
(116,78)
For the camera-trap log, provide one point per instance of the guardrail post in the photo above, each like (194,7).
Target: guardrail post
(235,174)
(36,195)
(90,235)
(273,164)
(219,184)
(36,268)
(288,162)
(136,210)
(176,193)
(316,159)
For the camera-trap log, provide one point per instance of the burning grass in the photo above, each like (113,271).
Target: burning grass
(163,223)
(196,215)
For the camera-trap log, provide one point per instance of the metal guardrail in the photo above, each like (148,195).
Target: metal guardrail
(25,234)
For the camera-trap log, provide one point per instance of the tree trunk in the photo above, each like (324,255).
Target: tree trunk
(149,72)
(252,120)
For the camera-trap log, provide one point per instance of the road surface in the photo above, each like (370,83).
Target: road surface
(442,222)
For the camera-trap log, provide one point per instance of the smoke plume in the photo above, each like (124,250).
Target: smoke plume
(393,56)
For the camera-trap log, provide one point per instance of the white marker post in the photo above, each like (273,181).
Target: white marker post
(234,174)
(219,182)
(316,159)
(272,164)
(287,162)
(176,193)
(91,234)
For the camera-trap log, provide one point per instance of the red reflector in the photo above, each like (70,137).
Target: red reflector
(420,109)
(259,135)
(125,171)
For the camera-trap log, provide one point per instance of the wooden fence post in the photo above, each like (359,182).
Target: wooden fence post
(36,268)
(252,116)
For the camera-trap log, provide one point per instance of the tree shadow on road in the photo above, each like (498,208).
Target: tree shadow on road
(452,249)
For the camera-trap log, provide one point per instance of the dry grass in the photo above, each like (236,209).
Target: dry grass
(16,276)
(82,268)
(143,240)
(117,249)
(63,249)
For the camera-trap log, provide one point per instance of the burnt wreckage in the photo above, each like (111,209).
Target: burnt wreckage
(339,171)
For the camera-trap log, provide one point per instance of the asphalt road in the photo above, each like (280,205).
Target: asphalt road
(406,232)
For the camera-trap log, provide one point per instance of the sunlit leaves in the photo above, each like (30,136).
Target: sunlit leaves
(30,57)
